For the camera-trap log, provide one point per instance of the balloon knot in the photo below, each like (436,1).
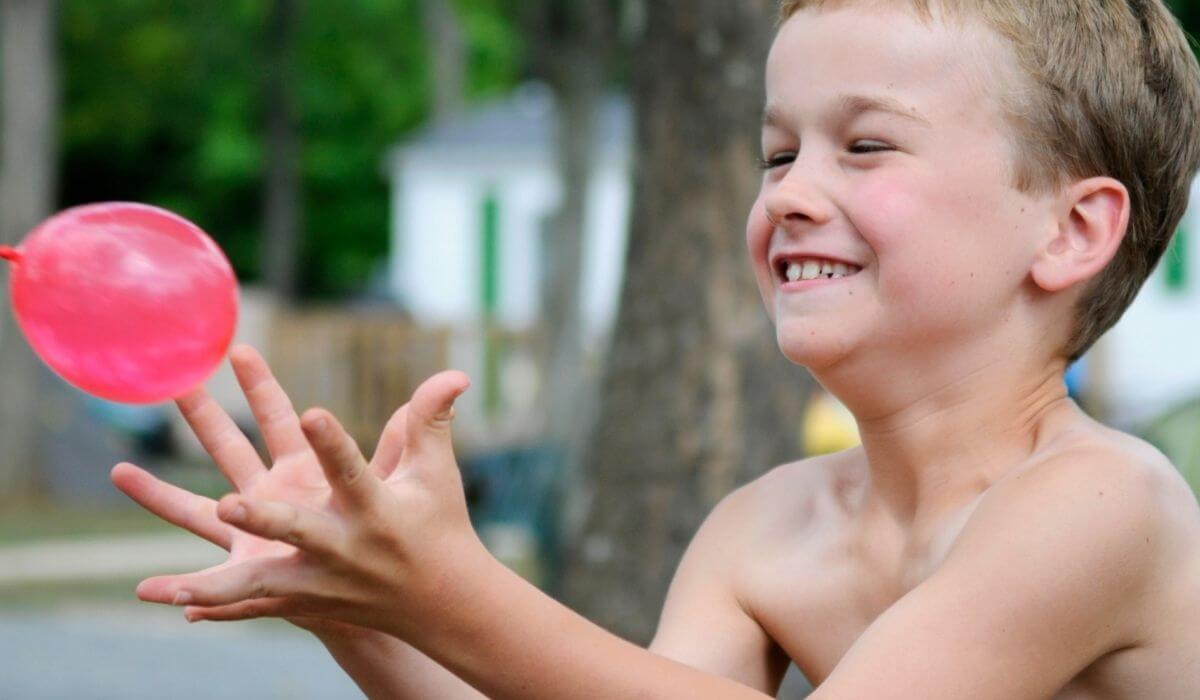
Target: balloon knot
(10,254)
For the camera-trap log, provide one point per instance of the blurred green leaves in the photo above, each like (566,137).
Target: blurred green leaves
(162,102)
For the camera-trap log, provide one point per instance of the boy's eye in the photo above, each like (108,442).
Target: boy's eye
(869,146)
(775,161)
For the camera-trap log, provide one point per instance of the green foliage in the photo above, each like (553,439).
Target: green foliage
(1188,12)
(163,103)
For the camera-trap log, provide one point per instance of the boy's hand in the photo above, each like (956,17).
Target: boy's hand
(364,540)
(296,475)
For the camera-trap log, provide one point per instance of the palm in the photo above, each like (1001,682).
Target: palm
(296,476)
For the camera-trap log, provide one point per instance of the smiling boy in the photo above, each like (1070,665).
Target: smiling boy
(958,199)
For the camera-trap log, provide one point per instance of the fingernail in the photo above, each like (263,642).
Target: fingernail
(190,617)
(238,514)
(182,598)
(320,423)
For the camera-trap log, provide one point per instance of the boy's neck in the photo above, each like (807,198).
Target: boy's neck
(936,437)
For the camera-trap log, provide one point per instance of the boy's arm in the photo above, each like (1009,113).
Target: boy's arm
(703,625)
(397,553)
(1050,574)
(385,667)
(704,622)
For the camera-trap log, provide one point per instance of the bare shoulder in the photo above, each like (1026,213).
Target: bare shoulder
(1109,511)
(783,513)
(797,499)
(709,619)
(1115,471)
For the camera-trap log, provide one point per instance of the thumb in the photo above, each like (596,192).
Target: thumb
(431,411)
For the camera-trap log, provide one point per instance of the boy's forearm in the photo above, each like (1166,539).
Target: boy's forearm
(385,667)
(513,642)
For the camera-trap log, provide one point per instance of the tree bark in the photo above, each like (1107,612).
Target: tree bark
(581,47)
(697,398)
(447,53)
(282,212)
(28,186)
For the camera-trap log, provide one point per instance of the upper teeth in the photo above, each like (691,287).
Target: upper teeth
(812,269)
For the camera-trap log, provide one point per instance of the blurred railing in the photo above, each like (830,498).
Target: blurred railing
(364,365)
(361,366)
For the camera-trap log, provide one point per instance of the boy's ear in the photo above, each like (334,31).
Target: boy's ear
(1094,214)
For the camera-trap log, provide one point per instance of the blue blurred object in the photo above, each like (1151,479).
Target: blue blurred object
(1076,377)
(127,417)
(521,487)
(147,425)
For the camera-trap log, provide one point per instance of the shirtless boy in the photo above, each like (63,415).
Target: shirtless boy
(990,183)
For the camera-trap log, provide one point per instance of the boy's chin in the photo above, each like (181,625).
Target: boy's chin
(812,348)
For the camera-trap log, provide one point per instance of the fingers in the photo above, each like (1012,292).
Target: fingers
(196,514)
(431,411)
(276,520)
(264,577)
(269,403)
(391,444)
(245,610)
(221,438)
(347,472)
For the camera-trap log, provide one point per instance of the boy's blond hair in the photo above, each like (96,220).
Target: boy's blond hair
(1111,88)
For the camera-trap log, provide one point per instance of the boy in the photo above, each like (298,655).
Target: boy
(958,198)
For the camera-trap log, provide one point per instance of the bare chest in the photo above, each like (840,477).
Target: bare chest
(815,619)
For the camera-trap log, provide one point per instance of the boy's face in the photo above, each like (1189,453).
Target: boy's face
(890,152)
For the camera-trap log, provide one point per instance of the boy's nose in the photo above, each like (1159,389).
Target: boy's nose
(795,203)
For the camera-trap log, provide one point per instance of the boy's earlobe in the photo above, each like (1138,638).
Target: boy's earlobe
(1087,236)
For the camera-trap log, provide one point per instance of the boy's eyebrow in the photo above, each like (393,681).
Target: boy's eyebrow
(854,105)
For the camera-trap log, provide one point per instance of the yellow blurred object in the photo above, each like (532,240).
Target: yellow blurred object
(828,426)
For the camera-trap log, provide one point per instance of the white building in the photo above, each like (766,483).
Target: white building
(471,199)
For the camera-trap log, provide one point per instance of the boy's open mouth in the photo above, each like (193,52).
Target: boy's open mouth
(805,268)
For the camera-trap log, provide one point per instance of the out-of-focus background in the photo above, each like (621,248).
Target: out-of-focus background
(548,194)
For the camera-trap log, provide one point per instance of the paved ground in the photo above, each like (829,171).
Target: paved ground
(106,558)
(62,646)
(82,645)
(135,652)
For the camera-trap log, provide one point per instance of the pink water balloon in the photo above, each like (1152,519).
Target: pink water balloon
(125,301)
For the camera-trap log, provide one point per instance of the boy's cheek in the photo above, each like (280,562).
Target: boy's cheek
(758,242)
(758,232)
(889,210)
(917,267)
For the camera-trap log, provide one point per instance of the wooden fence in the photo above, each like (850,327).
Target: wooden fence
(362,366)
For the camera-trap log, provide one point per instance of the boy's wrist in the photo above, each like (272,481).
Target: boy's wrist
(331,631)
(446,607)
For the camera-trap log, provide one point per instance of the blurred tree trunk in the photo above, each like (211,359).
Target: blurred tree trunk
(282,208)
(697,398)
(28,180)
(447,53)
(572,46)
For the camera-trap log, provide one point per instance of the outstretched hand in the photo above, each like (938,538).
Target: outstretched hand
(323,533)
